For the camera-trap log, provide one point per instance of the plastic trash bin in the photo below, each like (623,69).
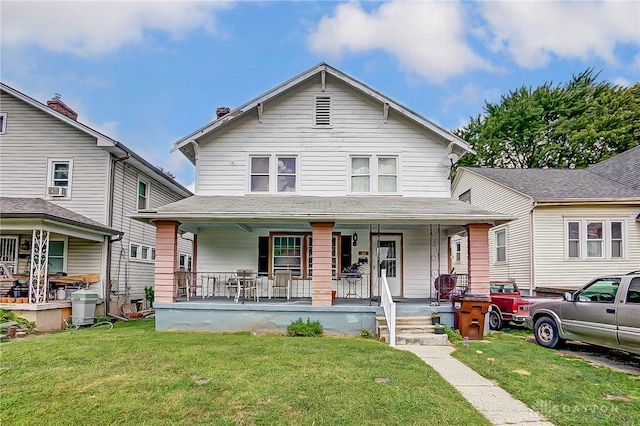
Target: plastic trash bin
(83,307)
(468,314)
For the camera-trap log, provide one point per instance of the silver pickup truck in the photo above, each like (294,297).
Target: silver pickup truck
(605,312)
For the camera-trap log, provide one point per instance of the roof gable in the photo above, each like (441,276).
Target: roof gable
(623,168)
(320,72)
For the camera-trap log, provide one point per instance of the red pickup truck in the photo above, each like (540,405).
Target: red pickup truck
(507,304)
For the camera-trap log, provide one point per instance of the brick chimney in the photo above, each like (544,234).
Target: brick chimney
(222,111)
(61,107)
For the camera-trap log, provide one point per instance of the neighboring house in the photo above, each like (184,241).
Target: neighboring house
(319,173)
(572,224)
(66,192)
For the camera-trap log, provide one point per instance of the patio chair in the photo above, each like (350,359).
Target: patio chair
(183,279)
(208,281)
(246,283)
(281,281)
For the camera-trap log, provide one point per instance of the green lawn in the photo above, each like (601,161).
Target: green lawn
(135,375)
(565,389)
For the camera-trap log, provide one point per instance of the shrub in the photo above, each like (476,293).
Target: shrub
(453,335)
(365,333)
(301,328)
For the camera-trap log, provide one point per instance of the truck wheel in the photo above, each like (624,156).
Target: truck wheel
(546,331)
(495,322)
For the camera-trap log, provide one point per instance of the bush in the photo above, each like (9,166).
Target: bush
(300,328)
(453,335)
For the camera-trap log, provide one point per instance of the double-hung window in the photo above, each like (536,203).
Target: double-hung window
(143,194)
(3,123)
(287,253)
(501,245)
(56,256)
(458,251)
(594,239)
(273,173)
(59,178)
(374,174)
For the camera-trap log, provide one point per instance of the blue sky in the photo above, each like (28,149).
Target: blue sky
(148,73)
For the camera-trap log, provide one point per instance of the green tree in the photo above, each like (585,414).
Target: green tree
(563,126)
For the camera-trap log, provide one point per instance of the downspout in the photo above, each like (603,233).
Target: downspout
(112,174)
(531,248)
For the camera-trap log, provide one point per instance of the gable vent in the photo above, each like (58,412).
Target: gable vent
(323,111)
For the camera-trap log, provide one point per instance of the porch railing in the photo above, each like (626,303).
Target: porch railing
(389,306)
(208,285)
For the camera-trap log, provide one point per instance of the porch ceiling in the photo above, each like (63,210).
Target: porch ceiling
(295,209)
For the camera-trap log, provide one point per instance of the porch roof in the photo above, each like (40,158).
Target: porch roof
(339,209)
(32,211)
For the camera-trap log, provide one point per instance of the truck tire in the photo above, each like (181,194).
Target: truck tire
(495,321)
(546,332)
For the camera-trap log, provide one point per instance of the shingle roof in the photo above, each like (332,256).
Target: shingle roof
(623,168)
(354,209)
(558,184)
(37,208)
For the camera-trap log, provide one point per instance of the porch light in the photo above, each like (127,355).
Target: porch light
(26,245)
(355,239)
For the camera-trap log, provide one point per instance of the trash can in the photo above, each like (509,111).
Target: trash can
(468,314)
(83,307)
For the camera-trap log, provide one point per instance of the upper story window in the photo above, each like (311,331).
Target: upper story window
(59,178)
(595,239)
(465,197)
(3,123)
(374,174)
(273,173)
(501,245)
(143,194)
(322,111)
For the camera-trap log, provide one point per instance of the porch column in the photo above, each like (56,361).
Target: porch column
(321,233)
(166,256)
(478,258)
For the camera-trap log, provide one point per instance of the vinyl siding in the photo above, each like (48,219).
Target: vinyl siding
(491,196)
(134,275)
(552,269)
(32,137)
(323,153)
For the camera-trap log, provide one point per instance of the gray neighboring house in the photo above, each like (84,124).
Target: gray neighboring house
(66,191)
(572,224)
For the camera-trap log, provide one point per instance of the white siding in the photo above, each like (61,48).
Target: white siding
(552,269)
(32,137)
(491,196)
(323,153)
(134,275)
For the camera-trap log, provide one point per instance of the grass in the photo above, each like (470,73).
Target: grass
(567,390)
(135,375)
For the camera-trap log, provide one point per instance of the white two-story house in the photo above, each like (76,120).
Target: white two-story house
(317,174)
(66,191)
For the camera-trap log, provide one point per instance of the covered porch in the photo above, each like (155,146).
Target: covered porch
(338,251)
(47,252)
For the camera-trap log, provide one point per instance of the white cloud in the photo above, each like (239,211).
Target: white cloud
(426,38)
(531,32)
(91,28)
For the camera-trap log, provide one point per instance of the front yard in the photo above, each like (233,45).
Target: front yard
(135,375)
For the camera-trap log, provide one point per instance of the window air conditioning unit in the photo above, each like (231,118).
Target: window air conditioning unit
(57,191)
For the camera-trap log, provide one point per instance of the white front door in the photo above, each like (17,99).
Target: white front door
(388,257)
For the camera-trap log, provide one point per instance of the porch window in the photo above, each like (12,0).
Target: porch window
(143,194)
(334,256)
(56,256)
(9,252)
(3,123)
(458,251)
(287,254)
(501,245)
(259,174)
(184,261)
(59,178)
(595,239)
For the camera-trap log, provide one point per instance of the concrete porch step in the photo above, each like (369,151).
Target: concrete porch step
(412,330)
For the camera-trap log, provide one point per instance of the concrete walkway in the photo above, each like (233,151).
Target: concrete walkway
(494,402)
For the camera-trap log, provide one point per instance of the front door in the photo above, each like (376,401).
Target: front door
(388,257)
